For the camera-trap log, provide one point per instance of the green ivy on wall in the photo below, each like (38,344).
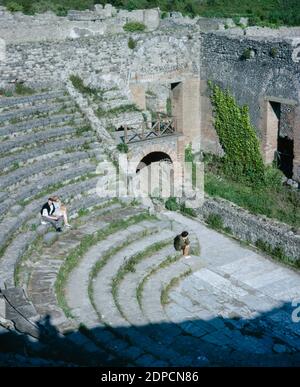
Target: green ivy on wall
(242,160)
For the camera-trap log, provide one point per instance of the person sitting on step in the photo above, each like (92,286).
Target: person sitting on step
(182,243)
(60,210)
(47,213)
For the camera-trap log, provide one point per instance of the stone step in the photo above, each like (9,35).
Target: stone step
(114,94)
(11,180)
(44,274)
(45,151)
(128,302)
(89,203)
(27,192)
(36,110)
(127,290)
(41,123)
(11,257)
(77,286)
(12,101)
(11,223)
(20,310)
(111,315)
(155,312)
(34,139)
(114,103)
(21,242)
(128,118)
(61,177)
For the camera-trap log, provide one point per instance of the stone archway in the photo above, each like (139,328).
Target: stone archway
(153,157)
(155,169)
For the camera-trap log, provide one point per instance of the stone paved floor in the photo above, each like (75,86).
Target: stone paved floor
(239,301)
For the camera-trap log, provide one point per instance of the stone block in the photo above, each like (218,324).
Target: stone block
(136,16)
(152,18)
(50,237)
(2,307)
(15,210)
(2,50)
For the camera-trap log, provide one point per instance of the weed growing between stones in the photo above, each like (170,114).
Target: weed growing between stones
(74,256)
(167,262)
(129,267)
(134,27)
(164,298)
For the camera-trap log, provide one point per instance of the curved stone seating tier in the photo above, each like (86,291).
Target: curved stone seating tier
(21,113)
(27,100)
(77,285)
(38,124)
(34,139)
(43,275)
(45,151)
(53,165)
(13,223)
(19,244)
(62,178)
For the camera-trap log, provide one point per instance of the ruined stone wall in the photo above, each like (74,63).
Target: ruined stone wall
(251,228)
(270,73)
(17,27)
(158,53)
(253,79)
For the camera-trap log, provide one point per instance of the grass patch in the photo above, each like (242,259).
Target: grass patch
(82,129)
(134,27)
(172,204)
(101,113)
(6,93)
(164,298)
(77,82)
(122,147)
(74,256)
(215,221)
(132,43)
(167,262)
(21,89)
(129,267)
(281,203)
(277,253)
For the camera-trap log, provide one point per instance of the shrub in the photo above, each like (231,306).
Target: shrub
(187,210)
(247,53)
(23,90)
(273,52)
(134,27)
(215,221)
(273,177)
(131,43)
(171,204)
(122,147)
(77,82)
(13,6)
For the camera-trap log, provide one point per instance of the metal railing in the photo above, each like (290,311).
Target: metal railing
(163,126)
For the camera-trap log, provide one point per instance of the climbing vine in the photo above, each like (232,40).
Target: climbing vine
(242,160)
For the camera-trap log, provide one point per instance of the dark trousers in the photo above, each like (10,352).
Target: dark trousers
(55,223)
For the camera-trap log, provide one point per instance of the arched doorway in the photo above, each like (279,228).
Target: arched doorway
(155,175)
(153,157)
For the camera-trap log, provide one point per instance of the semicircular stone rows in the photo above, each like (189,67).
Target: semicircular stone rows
(54,152)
